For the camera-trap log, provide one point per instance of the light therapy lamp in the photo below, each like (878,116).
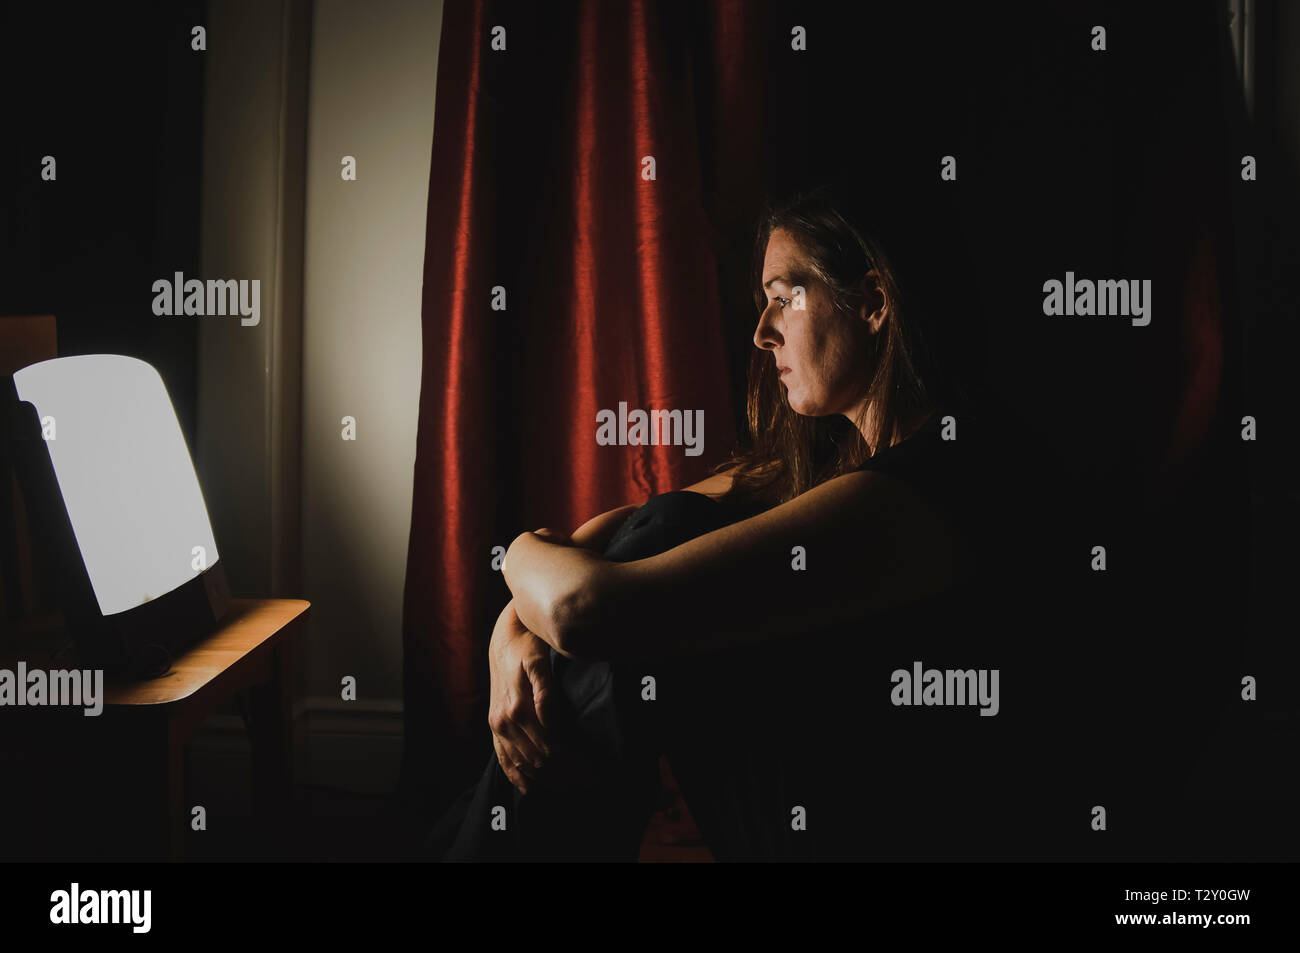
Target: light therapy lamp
(115,506)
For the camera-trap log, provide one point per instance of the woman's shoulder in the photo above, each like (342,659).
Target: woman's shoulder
(943,464)
(941,451)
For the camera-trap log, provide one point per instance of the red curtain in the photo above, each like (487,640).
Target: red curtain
(610,282)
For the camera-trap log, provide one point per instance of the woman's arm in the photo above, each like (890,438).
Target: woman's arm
(596,533)
(520,670)
(868,542)
(520,673)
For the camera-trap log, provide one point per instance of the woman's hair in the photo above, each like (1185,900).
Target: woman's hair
(790,453)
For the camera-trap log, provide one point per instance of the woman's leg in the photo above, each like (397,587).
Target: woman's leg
(604,716)
(602,818)
(745,748)
(739,727)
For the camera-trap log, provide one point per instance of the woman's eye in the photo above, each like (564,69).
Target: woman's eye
(784,301)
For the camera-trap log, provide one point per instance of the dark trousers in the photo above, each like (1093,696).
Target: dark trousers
(785,750)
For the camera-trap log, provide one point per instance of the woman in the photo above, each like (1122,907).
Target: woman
(739,625)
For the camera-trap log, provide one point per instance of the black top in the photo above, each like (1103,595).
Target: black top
(917,447)
(948,475)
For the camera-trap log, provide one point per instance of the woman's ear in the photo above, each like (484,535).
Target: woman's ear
(875,302)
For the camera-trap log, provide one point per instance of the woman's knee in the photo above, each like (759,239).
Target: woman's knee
(665,521)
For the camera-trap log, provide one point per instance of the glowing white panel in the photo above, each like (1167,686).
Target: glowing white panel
(125,474)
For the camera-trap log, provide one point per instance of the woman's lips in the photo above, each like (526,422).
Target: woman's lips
(783,371)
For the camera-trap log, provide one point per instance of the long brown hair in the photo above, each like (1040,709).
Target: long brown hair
(791,453)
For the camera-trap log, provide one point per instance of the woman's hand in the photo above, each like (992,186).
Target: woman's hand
(519,701)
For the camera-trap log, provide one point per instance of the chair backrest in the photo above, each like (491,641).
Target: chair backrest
(26,602)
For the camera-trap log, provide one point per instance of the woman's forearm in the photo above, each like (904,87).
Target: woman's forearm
(540,584)
(554,586)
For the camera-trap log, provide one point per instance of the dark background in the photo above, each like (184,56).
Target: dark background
(115,94)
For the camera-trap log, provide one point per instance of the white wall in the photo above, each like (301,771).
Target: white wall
(249,383)
(370,95)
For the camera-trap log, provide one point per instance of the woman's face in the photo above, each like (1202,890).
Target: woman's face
(819,352)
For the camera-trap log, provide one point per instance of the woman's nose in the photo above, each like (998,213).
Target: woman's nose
(766,334)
